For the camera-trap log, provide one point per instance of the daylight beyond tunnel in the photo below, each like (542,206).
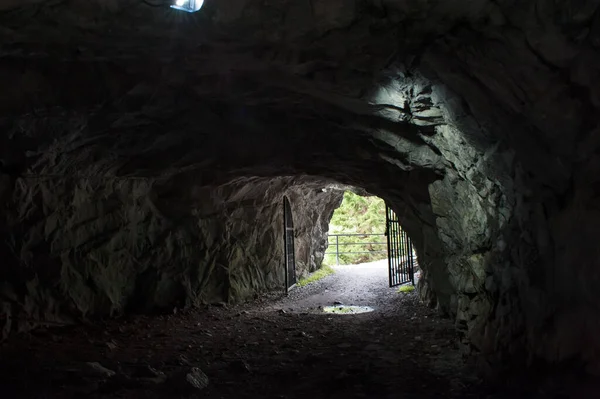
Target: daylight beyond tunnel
(144,156)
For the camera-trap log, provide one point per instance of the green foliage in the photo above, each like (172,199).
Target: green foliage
(406,288)
(318,275)
(363,215)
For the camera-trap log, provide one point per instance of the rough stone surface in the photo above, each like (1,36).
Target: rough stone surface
(145,154)
(124,247)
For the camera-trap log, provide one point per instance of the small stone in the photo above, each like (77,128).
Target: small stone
(147,371)
(418,338)
(149,374)
(197,379)
(191,380)
(100,370)
(337,303)
(112,345)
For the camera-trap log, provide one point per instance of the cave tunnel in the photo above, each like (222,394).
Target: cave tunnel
(145,153)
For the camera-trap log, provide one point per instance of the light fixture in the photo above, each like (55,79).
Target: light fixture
(188,5)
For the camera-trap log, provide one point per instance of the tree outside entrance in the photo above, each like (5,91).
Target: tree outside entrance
(357,215)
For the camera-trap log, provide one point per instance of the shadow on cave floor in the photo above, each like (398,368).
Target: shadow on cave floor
(270,348)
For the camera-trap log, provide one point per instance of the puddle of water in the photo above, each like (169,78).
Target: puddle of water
(347,309)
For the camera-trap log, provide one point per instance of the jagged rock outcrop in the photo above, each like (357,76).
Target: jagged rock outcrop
(475,120)
(75,248)
(312,210)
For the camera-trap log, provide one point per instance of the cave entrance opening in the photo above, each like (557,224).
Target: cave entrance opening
(356,231)
(288,239)
(366,232)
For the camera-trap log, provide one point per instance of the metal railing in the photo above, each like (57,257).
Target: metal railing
(336,244)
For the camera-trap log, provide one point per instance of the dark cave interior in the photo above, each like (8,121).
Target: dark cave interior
(145,153)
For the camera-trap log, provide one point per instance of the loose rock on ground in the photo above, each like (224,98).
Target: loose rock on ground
(401,349)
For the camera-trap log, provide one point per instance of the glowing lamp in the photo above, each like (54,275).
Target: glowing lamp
(188,5)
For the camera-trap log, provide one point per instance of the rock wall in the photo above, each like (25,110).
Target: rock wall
(527,78)
(312,210)
(95,248)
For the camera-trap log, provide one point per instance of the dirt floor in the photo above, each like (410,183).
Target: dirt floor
(284,347)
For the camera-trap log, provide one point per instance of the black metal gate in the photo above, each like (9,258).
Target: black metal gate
(288,237)
(400,251)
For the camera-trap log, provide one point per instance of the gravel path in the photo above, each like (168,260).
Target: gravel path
(364,284)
